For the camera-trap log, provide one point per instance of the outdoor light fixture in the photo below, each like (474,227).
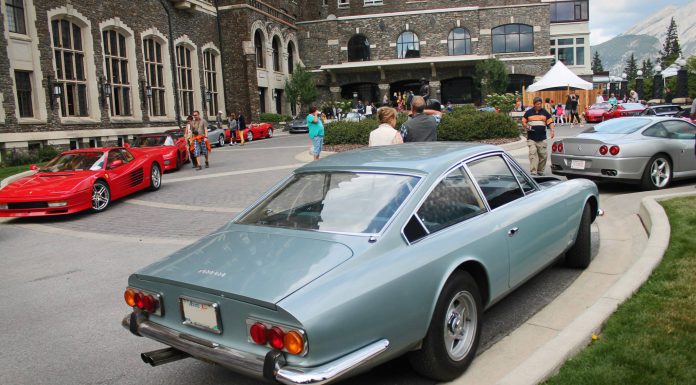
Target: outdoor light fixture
(55,90)
(208,95)
(681,62)
(639,73)
(658,69)
(624,76)
(105,90)
(355,95)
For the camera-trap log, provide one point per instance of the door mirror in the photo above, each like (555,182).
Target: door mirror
(116,163)
(33,167)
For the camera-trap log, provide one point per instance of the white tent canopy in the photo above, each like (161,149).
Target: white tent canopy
(560,76)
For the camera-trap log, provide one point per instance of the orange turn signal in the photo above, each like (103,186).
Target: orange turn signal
(294,343)
(129,296)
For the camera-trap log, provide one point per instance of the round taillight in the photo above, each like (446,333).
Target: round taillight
(258,333)
(603,150)
(554,147)
(275,337)
(560,146)
(294,343)
(129,296)
(139,300)
(614,150)
(148,303)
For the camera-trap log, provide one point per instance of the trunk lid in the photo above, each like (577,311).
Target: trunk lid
(589,145)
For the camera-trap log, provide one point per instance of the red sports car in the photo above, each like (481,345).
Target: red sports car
(595,112)
(82,179)
(624,109)
(172,147)
(257,131)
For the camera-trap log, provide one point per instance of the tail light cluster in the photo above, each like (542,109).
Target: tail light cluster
(278,337)
(557,147)
(140,299)
(613,150)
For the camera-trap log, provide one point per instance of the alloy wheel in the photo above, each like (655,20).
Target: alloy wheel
(459,329)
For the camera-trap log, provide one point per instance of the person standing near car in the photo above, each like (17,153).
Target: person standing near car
(420,127)
(241,126)
(188,136)
(536,120)
(316,131)
(232,122)
(199,129)
(386,133)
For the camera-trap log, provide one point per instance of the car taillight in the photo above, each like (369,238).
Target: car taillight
(554,147)
(258,333)
(149,302)
(129,296)
(277,337)
(603,150)
(560,146)
(614,150)
(294,343)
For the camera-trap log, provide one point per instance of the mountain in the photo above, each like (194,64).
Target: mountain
(645,38)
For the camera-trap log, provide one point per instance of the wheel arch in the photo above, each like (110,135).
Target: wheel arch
(594,206)
(480,275)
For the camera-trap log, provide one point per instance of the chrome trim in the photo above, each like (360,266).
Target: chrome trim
(332,370)
(214,305)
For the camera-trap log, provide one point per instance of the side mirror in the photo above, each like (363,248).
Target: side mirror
(126,145)
(33,167)
(116,163)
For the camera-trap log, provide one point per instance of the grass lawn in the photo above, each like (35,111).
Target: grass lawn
(11,170)
(651,339)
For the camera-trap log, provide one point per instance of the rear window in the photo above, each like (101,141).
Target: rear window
(633,106)
(620,126)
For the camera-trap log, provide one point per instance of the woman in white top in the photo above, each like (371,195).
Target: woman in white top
(386,133)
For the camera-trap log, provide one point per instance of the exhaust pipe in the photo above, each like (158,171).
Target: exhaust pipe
(163,356)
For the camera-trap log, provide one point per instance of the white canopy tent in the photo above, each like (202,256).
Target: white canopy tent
(560,76)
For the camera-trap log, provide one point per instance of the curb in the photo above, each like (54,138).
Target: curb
(549,358)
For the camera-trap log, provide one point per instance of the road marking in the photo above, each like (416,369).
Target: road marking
(172,206)
(230,173)
(229,149)
(108,237)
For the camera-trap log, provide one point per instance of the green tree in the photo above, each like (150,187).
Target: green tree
(491,76)
(631,69)
(670,49)
(301,88)
(647,68)
(597,63)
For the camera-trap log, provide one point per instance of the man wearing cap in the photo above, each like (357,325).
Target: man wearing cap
(536,120)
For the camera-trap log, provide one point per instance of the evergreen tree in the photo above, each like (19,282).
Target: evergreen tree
(301,88)
(492,76)
(670,49)
(631,69)
(597,63)
(647,68)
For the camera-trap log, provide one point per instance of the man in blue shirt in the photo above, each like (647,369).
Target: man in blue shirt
(316,131)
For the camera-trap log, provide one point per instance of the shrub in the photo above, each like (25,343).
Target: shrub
(503,102)
(47,153)
(268,117)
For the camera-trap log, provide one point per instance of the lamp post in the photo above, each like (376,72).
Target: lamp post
(657,83)
(682,90)
(624,86)
(639,83)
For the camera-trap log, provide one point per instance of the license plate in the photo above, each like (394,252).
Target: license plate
(201,314)
(577,164)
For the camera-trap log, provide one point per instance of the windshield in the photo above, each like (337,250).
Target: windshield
(619,126)
(76,162)
(633,106)
(601,106)
(149,141)
(343,202)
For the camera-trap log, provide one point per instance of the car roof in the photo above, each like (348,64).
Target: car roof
(418,158)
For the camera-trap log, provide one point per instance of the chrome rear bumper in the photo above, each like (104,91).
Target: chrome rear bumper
(272,366)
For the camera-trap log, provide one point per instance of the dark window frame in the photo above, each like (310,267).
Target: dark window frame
(258,48)
(275,46)
(69,60)
(184,69)
(402,46)
(291,57)
(23,85)
(117,71)
(515,44)
(210,76)
(16,20)
(358,48)
(154,75)
(452,40)
(578,8)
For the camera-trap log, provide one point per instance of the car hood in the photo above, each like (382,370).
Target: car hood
(250,266)
(47,183)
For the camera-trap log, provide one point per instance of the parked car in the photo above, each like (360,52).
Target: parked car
(595,113)
(82,179)
(218,135)
(256,131)
(622,110)
(299,124)
(359,258)
(662,110)
(172,147)
(650,151)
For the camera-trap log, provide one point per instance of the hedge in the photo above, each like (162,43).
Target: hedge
(463,124)
(268,117)
(18,158)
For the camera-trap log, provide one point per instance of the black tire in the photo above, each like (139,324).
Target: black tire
(579,255)
(101,196)
(155,177)
(179,162)
(250,136)
(269,134)
(657,174)
(221,141)
(443,356)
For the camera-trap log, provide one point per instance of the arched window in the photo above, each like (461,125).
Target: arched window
(291,58)
(116,63)
(69,57)
(358,48)
(407,45)
(184,68)
(154,75)
(459,42)
(211,80)
(276,53)
(513,38)
(258,47)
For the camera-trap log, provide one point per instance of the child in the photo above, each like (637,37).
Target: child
(560,116)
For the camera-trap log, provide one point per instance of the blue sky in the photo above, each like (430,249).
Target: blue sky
(609,18)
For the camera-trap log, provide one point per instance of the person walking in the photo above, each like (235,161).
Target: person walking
(232,123)
(560,114)
(536,120)
(241,126)
(316,131)
(420,127)
(188,137)
(199,130)
(386,133)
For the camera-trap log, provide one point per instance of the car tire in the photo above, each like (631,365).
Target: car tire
(454,332)
(155,177)
(579,255)
(249,136)
(269,134)
(101,196)
(221,141)
(657,174)
(179,162)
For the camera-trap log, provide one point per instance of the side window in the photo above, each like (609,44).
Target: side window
(527,185)
(115,155)
(127,156)
(657,130)
(680,130)
(494,177)
(453,200)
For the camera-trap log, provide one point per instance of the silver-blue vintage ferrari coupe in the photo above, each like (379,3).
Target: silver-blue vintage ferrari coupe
(361,257)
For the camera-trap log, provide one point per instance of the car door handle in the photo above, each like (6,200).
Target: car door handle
(513,231)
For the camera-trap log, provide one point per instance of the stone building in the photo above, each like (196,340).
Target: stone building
(84,73)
